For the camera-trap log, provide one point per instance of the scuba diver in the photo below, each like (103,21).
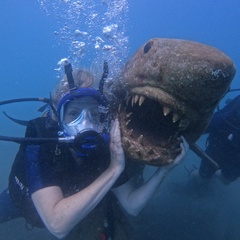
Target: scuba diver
(222,145)
(70,173)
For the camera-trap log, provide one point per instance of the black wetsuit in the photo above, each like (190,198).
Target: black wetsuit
(224,142)
(51,164)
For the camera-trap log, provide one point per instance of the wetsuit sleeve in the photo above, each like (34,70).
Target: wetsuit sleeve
(39,170)
(33,168)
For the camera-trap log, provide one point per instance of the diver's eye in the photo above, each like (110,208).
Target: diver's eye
(71,115)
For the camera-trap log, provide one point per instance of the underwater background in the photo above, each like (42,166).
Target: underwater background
(36,35)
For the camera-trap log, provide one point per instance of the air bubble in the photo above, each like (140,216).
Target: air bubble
(107,47)
(110,31)
(80,33)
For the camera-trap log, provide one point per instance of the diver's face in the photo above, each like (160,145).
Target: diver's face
(87,107)
(82,114)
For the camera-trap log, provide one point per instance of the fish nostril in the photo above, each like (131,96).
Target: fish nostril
(147,47)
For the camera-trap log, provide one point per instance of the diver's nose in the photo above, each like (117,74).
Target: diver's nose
(86,121)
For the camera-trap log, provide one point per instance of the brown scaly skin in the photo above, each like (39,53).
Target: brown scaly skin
(168,88)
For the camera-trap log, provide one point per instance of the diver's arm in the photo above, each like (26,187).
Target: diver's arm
(134,199)
(61,214)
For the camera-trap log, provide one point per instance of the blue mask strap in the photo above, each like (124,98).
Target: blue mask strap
(68,72)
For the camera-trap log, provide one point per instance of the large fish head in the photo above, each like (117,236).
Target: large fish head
(169,88)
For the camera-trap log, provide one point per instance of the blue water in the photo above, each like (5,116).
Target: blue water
(31,46)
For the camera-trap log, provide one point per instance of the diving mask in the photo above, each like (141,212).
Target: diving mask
(82,114)
(82,110)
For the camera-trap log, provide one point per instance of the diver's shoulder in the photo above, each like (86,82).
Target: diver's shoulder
(38,119)
(44,123)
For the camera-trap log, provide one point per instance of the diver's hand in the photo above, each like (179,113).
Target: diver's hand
(184,149)
(116,150)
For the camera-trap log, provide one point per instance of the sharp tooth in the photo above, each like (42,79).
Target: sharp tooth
(119,108)
(128,122)
(166,111)
(138,152)
(140,139)
(170,160)
(157,158)
(130,132)
(136,98)
(128,99)
(141,100)
(155,152)
(132,101)
(129,115)
(176,117)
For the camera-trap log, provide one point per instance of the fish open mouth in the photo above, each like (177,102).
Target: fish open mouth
(151,127)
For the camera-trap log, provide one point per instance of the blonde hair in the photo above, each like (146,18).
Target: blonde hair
(82,79)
